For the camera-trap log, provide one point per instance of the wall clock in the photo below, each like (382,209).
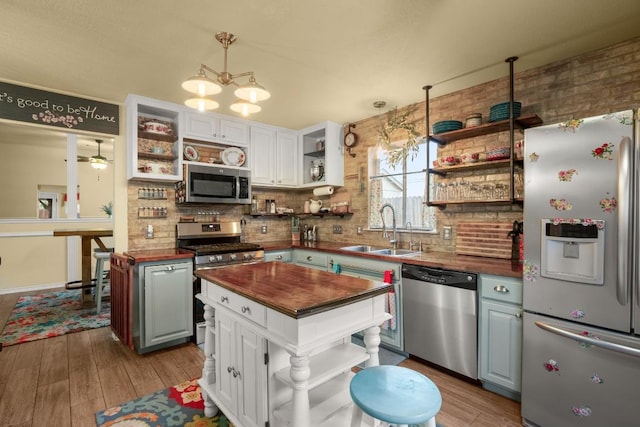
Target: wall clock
(350,139)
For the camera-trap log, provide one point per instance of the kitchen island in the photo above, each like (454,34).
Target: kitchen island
(278,342)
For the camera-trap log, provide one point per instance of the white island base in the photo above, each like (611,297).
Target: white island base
(264,366)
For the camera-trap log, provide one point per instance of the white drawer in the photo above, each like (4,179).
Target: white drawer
(245,307)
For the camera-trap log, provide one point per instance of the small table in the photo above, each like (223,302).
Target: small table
(87,235)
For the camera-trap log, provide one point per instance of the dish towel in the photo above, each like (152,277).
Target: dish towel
(336,268)
(390,307)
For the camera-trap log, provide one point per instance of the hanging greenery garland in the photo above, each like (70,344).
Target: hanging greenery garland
(399,121)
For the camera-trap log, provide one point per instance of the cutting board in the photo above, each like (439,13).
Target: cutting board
(484,238)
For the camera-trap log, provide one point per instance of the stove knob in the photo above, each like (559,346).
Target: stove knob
(232,257)
(218,257)
(248,256)
(212,259)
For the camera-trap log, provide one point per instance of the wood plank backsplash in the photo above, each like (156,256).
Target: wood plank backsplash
(484,238)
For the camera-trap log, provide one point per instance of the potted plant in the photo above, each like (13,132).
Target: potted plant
(108,209)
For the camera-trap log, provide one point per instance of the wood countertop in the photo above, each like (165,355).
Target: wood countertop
(293,290)
(151,255)
(451,261)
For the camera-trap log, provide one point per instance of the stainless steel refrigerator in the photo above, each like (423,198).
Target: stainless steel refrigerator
(581,348)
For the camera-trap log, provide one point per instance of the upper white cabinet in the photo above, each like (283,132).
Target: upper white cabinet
(215,128)
(274,157)
(322,159)
(154,143)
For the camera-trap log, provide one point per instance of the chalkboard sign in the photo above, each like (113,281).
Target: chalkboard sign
(30,105)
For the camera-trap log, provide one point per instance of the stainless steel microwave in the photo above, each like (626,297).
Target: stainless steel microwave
(214,184)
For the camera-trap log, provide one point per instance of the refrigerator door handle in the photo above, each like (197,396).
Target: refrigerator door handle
(624,213)
(619,348)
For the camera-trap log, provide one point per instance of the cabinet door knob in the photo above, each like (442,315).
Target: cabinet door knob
(501,289)
(518,314)
(169,268)
(246,310)
(279,257)
(224,299)
(309,258)
(229,369)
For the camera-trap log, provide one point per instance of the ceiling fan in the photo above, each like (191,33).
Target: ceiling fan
(97,161)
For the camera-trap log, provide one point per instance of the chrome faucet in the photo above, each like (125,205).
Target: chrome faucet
(385,234)
(411,242)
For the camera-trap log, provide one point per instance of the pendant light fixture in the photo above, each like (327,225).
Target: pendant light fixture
(203,86)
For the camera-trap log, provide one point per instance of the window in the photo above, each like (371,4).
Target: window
(404,188)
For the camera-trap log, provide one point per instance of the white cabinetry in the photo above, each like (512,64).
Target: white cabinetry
(322,144)
(309,360)
(215,128)
(274,157)
(241,371)
(164,304)
(500,343)
(142,163)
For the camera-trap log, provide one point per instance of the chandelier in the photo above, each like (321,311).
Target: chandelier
(203,86)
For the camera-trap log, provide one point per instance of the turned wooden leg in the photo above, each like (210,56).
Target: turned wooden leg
(372,343)
(300,373)
(209,369)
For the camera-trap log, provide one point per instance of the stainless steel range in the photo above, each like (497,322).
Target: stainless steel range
(214,245)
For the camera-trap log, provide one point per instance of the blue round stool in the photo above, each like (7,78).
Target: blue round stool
(396,395)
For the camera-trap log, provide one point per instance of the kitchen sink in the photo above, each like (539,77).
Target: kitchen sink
(361,248)
(380,251)
(395,252)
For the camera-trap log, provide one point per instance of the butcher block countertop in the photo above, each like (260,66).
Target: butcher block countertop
(151,255)
(293,290)
(451,261)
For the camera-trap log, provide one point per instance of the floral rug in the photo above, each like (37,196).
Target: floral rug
(180,405)
(51,314)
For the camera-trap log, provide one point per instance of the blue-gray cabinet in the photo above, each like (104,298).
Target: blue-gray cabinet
(500,335)
(163,304)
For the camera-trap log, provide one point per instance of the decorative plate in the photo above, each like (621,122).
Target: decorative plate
(233,156)
(190,153)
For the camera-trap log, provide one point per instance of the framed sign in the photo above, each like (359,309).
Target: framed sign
(31,105)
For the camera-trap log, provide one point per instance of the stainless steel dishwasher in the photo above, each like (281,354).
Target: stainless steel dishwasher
(440,317)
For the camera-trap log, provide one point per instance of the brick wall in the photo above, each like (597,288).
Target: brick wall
(593,83)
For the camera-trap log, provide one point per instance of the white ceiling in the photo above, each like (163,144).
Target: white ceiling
(321,60)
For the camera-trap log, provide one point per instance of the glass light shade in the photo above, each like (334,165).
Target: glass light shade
(98,162)
(201,85)
(252,92)
(245,108)
(201,104)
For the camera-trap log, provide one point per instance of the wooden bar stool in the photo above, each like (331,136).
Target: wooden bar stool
(395,395)
(101,257)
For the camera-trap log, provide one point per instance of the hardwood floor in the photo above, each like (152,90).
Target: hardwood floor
(64,381)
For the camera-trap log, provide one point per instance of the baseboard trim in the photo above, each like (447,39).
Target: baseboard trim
(31,288)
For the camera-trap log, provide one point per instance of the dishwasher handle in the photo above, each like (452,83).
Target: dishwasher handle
(453,278)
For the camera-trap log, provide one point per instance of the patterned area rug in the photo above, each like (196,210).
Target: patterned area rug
(51,314)
(181,405)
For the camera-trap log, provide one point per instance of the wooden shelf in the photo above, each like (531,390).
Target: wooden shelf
(521,122)
(302,215)
(157,136)
(475,166)
(151,156)
(461,202)
(318,154)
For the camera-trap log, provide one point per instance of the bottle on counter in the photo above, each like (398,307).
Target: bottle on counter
(254,205)
(273,207)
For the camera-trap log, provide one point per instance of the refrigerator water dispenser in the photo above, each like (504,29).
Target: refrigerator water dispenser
(572,252)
